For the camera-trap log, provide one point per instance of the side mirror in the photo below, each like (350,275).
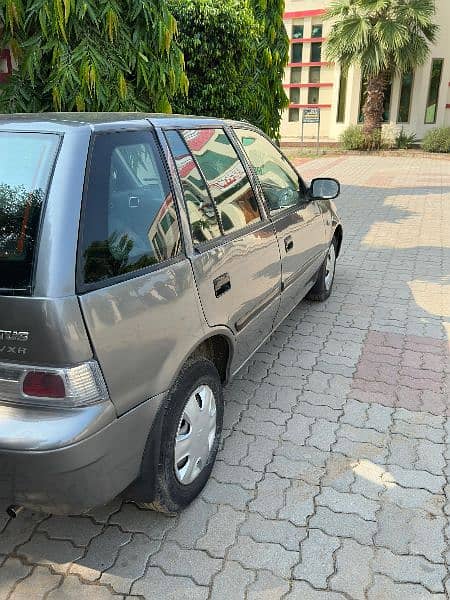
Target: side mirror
(324,188)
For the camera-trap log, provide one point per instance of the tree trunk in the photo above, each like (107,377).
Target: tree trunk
(374,102)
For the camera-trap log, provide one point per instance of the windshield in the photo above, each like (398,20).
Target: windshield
(26,163)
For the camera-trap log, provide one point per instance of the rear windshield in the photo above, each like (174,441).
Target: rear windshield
(26,163)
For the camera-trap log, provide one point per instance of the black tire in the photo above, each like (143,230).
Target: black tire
(320,290)
(171,495)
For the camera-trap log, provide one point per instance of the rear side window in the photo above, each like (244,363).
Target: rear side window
(225,176)
(130,221)
(26,165)
(201,210)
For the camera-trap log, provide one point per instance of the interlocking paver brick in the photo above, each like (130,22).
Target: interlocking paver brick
(101,553)
(156,584)
(317,559)
(410,569)
(232,582)
(11,572)
(227,493)
(302,591)
(348,556)
(299,502)
(273,530)
(386,589)
(130,564)
(154,525)
(267,586)
(74,589)
(196,564)
(79,530)
(36,585)
(343,525)
(270,496)
(415,479)
(347,503)
(263,555)
(18,531)
(59,554)
(323,434)
(221,532)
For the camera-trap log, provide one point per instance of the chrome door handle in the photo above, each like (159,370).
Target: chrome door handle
(288,243)
(222,284)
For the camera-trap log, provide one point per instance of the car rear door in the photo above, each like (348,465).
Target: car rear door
(297,220)
(136,286)
(235,256)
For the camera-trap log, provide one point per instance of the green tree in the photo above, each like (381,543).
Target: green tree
(218,40)
(97,55)
(272,57)
(383,37)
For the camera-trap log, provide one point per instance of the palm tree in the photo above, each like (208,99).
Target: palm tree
(383,37)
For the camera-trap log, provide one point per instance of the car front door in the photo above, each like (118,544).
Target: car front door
(297,219)
(235,256)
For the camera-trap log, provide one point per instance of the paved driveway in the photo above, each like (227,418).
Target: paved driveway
(333,480)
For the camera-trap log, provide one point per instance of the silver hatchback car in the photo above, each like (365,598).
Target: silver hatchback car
(143,260)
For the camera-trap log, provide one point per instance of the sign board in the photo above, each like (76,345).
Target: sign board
(311,115)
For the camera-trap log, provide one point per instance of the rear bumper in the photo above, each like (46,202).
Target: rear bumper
(68,461)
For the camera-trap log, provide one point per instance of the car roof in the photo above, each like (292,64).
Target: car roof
(98,121)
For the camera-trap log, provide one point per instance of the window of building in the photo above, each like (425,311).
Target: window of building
(313,95)
(225,176)
(294,114)
(404,106)
(294,95)
(342,96)
(316,51)
(202,213)
(296,74)
(316,31)
(130,220)
(433,92)
(297,31)
(314,74)
(386,106)
(296,53)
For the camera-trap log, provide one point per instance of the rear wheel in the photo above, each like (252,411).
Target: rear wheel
(190,436)
(325,276)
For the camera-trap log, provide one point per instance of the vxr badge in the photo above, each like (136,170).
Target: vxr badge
(9,335)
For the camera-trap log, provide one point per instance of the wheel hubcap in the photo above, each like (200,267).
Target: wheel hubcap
(330,266)
(195,435)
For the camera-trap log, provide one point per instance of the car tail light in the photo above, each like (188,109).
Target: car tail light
(64,387)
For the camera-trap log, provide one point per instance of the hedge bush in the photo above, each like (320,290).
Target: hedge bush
(353,138)
(218,40)
(235,53)
(437,140)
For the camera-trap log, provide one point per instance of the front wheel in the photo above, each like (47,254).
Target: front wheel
(325,276)
(190,436)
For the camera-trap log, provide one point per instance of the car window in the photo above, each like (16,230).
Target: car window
(279,181)
(26,165)
(130,221)
(201,211)
(227,180)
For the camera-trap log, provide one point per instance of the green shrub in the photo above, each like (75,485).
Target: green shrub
(353,138)
(235,54)
(437,140)
(404,141)
(218,40)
